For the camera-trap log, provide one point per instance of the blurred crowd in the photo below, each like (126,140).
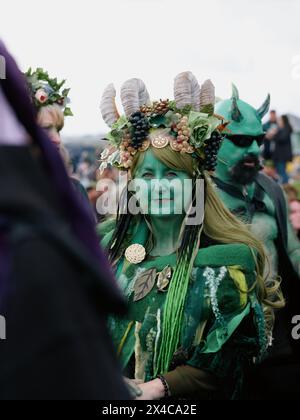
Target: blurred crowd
(281,163)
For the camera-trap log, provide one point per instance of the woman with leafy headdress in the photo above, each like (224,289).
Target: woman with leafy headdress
(199,311)
(51,101)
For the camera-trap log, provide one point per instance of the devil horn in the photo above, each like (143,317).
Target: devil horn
(235,112)
(262,111)
(235,92)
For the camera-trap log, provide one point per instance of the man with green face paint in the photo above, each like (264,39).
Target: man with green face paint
(259,201)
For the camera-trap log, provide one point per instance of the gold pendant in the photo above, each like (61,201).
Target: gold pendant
(135,254)
(164,279)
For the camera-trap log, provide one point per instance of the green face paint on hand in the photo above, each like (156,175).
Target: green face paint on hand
(162,191)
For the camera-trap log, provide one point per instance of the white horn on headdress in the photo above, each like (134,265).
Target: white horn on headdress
(134,94)
(108,105)
(187,91)
(207,96)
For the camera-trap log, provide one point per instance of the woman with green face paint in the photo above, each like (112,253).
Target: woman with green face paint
(198,308)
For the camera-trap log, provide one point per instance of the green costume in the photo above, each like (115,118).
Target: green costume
(193,316)
(260,202)
(216,334)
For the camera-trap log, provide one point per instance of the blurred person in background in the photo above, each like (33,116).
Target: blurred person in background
(270,170)
(69,167)
(295,216)
(270,129)
(56,288)
(294,207)
(283,148)
(291,192)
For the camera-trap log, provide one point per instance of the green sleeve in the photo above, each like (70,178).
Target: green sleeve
(234,336)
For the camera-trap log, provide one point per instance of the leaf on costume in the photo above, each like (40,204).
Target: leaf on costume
(144,284)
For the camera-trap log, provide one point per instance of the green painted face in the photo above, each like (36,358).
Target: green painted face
(230,155)
(237,163)
(160,190)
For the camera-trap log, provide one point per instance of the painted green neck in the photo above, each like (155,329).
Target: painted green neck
(166,233)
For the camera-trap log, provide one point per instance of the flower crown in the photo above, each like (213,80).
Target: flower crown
(46,91)
(187,124)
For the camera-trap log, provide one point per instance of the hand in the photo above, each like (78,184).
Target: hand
(271,133)
(133,387)
(153,390)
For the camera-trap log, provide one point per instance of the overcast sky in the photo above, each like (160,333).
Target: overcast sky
(255,44)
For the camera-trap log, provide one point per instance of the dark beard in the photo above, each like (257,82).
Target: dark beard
(242,174)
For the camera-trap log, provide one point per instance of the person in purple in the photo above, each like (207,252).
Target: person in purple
(56,288)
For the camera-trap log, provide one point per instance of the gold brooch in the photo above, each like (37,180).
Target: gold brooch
(135,254)
(160,141)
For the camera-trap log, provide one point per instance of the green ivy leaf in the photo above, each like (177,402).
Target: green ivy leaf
(60,85)
(65,92)
(68,112)
(121,123)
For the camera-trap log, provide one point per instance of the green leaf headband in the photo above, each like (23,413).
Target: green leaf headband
(46,91)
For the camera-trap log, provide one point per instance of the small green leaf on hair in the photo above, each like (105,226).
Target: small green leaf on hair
(68,112)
